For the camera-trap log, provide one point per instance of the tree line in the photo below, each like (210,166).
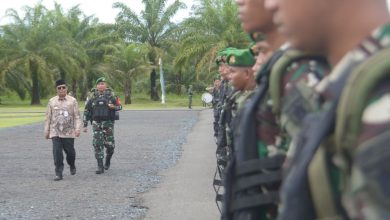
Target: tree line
(41,45)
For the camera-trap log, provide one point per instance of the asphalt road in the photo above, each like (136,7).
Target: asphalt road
(151,152)
(185,191)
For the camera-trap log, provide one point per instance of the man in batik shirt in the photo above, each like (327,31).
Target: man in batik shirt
(62,125)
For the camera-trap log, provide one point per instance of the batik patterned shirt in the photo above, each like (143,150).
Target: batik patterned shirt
(62,117)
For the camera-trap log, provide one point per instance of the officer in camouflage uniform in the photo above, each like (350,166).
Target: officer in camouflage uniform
(340,167)
(100,110)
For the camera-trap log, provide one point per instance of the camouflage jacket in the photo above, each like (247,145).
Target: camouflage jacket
(358,180)
(364,186)
(216,97)
(273,131)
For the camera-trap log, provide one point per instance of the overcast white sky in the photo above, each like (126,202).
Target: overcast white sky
(100,8)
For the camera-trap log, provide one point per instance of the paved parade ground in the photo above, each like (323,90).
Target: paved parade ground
(162,168)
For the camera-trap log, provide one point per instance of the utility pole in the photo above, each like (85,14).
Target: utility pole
(162,82)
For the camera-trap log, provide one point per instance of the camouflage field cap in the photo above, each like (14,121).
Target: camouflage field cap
(100,79)
(241,58)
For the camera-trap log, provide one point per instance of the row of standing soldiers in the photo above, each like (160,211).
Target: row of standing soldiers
(299,134)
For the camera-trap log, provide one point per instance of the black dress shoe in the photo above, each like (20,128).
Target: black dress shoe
(73,170)
(57,178)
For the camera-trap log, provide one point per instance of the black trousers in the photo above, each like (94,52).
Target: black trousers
(66,145)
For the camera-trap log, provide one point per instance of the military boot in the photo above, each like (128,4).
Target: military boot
(108,162)
(100,169)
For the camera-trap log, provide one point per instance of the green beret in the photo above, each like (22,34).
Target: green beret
(241,58)
(101,79)
(222,55)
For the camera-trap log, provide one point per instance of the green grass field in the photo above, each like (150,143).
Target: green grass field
(15,112)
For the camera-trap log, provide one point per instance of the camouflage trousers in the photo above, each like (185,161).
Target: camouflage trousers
(216,112)
(103,137)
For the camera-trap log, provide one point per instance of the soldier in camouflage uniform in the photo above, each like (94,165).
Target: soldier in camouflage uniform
(340,167)
(240,62)
(190,94)
(222,153)
(261,142)
(100,110)
(254,18)
(215,101)
(225,91)
(260,50)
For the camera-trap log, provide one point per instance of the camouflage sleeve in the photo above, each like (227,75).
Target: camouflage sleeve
(87,111)
(118,104)
(115,100)
(267,129)
(299,80)
(368,196)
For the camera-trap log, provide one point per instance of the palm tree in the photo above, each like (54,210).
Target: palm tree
(153,27)
(125,64)
(35,49)
(75,24)
(27,44)
(213,27)
(90,41)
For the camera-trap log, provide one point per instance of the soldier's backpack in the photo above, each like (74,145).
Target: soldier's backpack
(100,111)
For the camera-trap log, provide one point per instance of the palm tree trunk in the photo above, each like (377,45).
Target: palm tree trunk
(128,92)
(62,74)
(35,99)
(178,83)
(84,88)
(153,87)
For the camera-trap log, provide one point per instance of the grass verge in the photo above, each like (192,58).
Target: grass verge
(14,112)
